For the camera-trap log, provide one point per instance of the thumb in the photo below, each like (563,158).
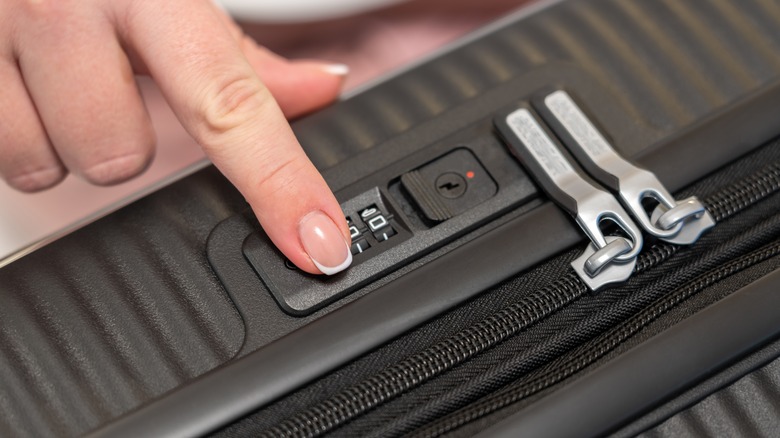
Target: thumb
(219,99)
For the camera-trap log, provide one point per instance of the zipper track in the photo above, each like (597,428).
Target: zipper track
(589,352)
(477,338)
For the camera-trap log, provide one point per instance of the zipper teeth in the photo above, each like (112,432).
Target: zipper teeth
(432,361)
(588,353)
(745,193)
(531,309)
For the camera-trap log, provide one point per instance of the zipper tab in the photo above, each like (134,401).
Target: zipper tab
(608,259)
(675,222)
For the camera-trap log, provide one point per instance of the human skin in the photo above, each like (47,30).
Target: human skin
(69,103)
(379,41)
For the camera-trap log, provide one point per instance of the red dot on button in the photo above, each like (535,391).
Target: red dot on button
(469,174)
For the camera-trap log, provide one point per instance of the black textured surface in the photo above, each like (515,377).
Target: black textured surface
(667,63)
(428,201)
(128,308)
(114,314)
(749,407)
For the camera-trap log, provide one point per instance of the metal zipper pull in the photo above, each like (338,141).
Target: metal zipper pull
(608,259)
(676,222)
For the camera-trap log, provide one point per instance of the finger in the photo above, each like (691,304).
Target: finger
(27,160)
(299,87)
(84,88)
(223,104)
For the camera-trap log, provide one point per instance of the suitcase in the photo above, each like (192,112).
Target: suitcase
(479,302)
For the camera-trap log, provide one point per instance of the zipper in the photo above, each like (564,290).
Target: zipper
(436,360)
(610,258)
(588,353)
(679,222)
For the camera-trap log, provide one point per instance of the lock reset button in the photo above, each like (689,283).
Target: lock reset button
(449,185)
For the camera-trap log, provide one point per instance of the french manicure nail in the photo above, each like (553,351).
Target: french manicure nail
(336,69)
(324,243)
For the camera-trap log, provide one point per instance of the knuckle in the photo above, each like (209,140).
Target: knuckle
(235,102)
(279,176)
(42,10)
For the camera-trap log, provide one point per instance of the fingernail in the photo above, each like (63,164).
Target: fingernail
(324,243)
(336,69)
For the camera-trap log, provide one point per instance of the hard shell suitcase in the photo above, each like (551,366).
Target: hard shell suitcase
(470,308)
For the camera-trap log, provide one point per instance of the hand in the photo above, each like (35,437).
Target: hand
(69,103)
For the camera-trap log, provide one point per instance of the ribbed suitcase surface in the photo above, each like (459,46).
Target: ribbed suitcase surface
(118,313)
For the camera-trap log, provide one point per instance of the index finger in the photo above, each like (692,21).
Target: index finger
(222,103)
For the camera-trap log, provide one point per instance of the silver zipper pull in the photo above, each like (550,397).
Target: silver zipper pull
(676,222)
(608,259)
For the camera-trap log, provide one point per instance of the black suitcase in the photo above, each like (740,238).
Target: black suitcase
(470,308)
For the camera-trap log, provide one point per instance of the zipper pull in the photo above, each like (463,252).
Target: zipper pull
(607,259)
(675,222)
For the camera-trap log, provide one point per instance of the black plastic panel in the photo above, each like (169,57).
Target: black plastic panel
(503,187)
(299,293)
